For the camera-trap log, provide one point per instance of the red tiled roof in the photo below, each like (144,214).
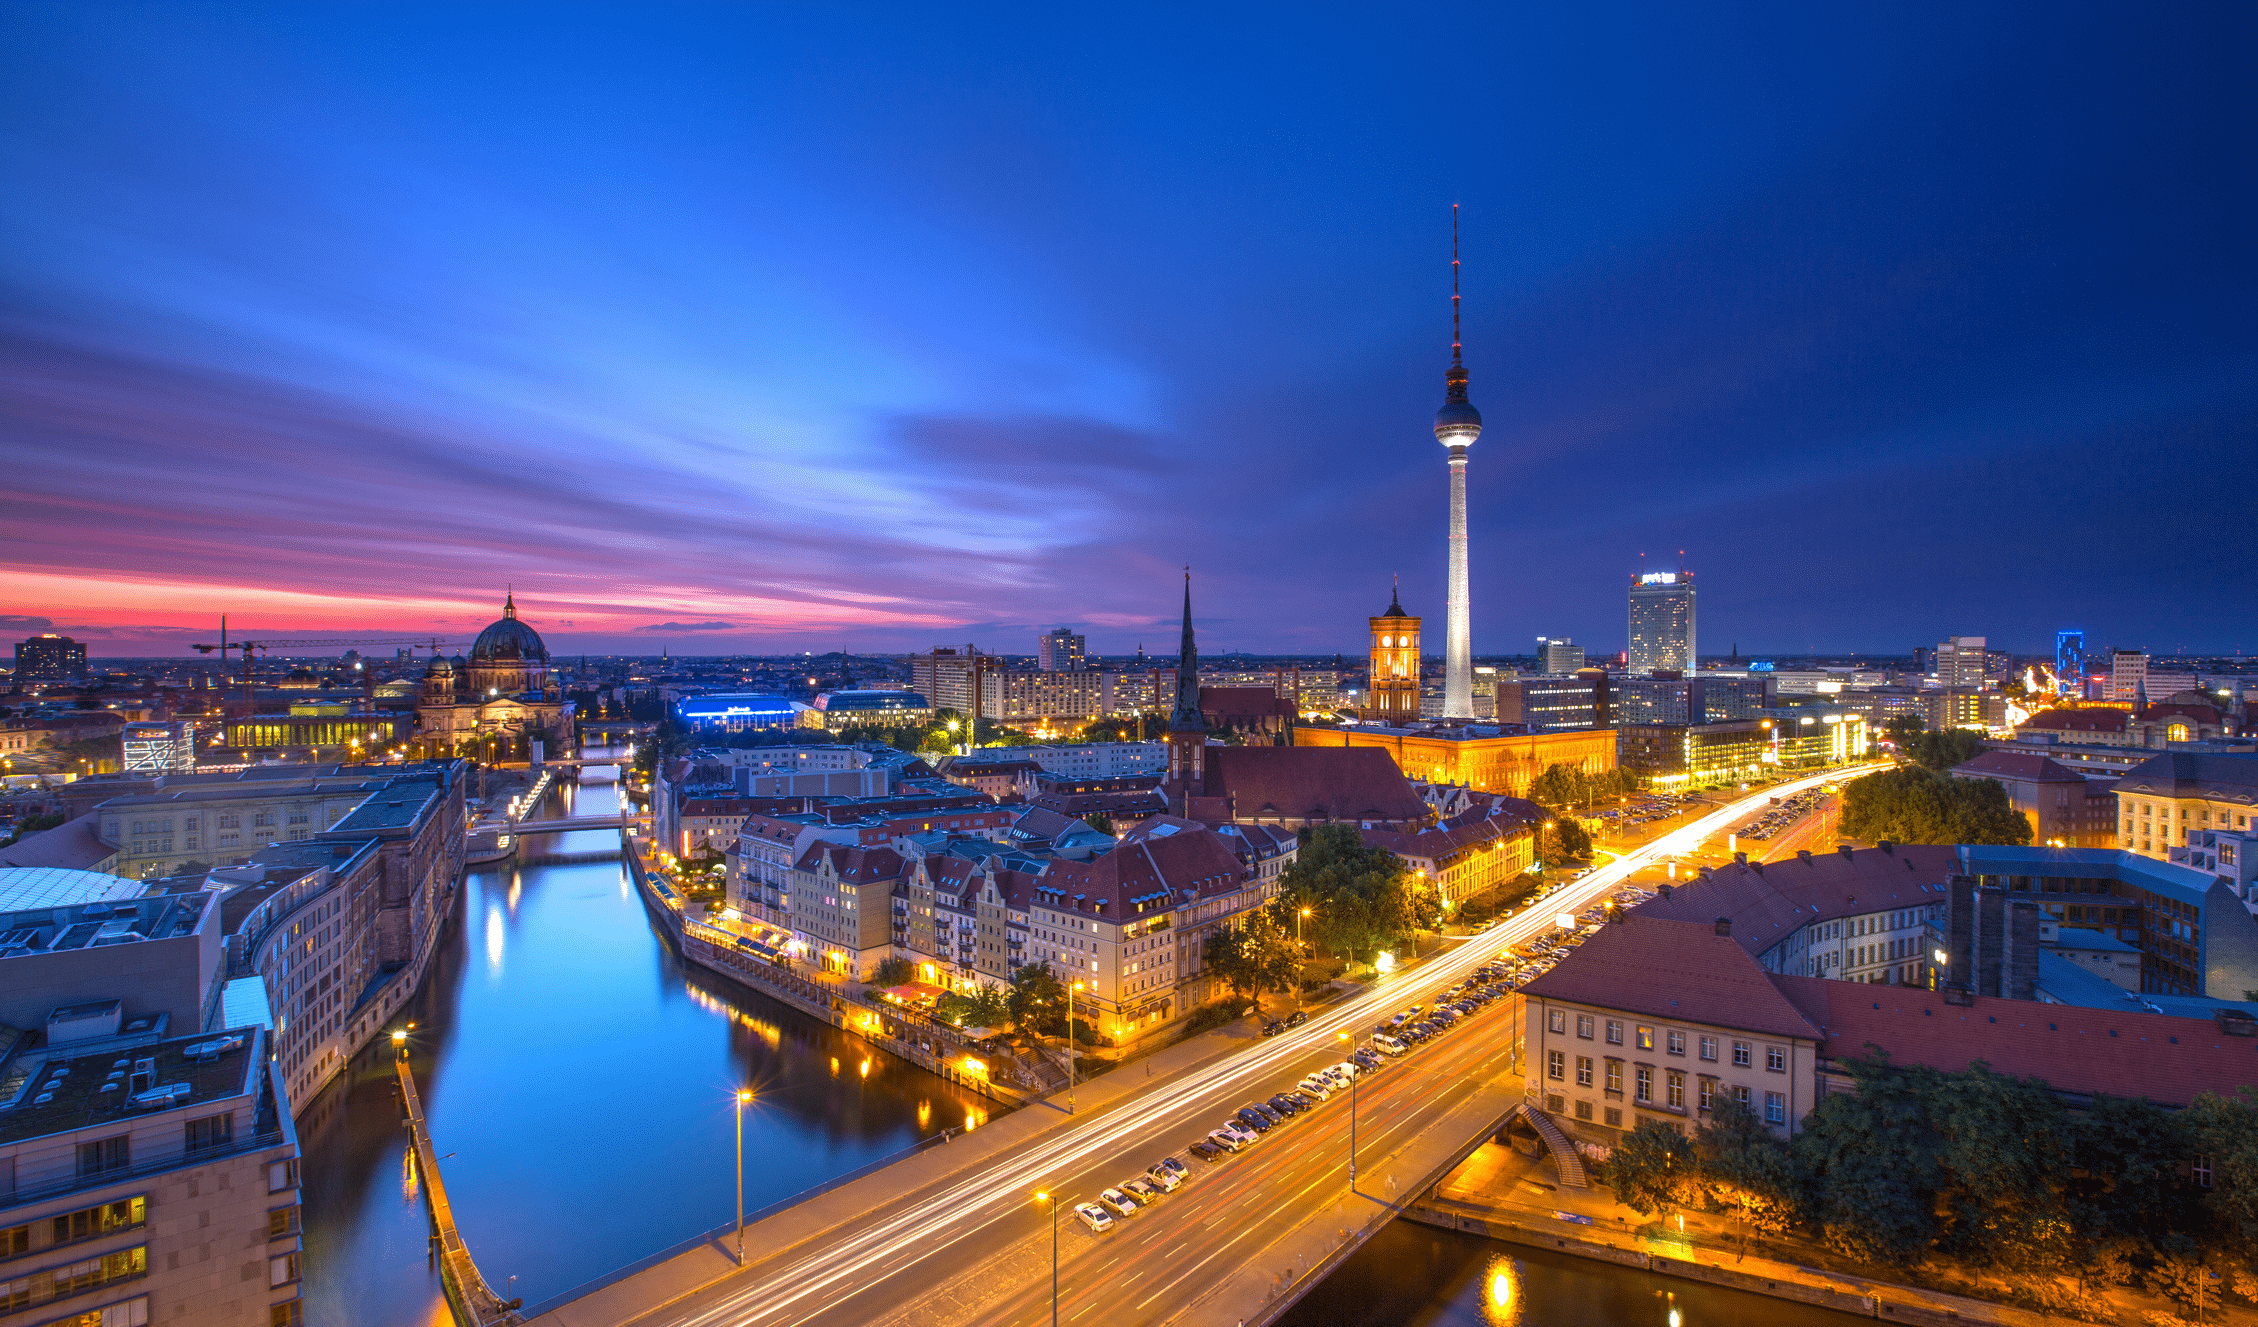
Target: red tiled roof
(1468,831)
(1768,902)
(2077,721)
(2030,768)
(1260,702)
(2165,1059)
(1197,859)
(1670,969)
(1310,783)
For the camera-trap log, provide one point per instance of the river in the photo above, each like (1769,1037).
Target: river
(578,1083)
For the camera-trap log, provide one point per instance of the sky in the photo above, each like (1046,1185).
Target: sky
(750,329)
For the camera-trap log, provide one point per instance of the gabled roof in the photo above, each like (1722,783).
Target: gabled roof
(2077,721)
(2125,1054)
(1673,970)
(852,864)
(1158,871)
(1768,902)
(73,845)
(1310,783)
(2195,774)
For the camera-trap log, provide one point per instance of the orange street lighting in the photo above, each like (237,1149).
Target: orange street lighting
(744,1096)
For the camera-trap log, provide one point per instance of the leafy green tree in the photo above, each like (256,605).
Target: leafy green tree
(984,1006)
(2127,1157)
(1563,839)
(2225,1129)
(1745,1170)
(2006,1149)
(1037,1003)
(1942,751)
(1903,728)
(1913,804)
(1362,899)
(893,972)
(1869,1159)
(1255,956)
(1652,1169)
(1099,821)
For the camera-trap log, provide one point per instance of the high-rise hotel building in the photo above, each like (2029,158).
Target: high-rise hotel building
(1662,622)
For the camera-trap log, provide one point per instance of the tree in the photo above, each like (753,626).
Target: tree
(1903,728)
(1562,839)
(1744,1169)
(1869,1159)
(1099,821)
(983,1006)
(1652,1169)
(1945,750)
(2225,1128)
(2005,1147)
(1913,804)
(1361,897)
(1037,1003)
(893,972)
(1254,957)
(2130,1155)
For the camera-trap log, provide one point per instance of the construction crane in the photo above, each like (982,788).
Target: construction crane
(368,680)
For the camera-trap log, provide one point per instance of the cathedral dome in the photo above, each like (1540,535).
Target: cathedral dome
(439,665)
(509,640)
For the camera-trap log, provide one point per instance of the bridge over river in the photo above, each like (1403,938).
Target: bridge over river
(951,1233)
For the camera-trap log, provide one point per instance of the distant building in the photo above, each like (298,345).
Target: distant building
(2128,675)
(1059,651)
(1662,622)
(1486,758)
(1553,703)
(2065,809)
(1960,662)
(1674,755)
(1670,697)
(1391,692)
(48,657)
(1558,656)
(844,709)
(2070,660)
(159,747)
(1254,713)
(737,712)
(501,703)
(2166,799)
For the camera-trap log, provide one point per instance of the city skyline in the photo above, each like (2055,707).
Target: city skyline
(373,345)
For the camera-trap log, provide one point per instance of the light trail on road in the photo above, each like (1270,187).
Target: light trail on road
(782,1295)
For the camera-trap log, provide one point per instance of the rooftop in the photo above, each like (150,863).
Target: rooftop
(113,1085)
(1673,970)
(23,888)
(2223,777)
(73,846)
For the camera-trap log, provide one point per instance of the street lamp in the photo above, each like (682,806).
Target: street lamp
(743,1095)
(1042,1197)
(1352,1117)
(1070,1046)
(400,1042)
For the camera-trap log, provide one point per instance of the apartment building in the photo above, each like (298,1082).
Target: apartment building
(842,907)
(149,1179)
(2167,798)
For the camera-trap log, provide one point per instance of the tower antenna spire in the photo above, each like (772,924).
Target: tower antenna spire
(1454,343)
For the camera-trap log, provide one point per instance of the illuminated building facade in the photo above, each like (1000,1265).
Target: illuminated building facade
(1559,656)
(1392,692)
(500,703)
(159,747)
(1692,755)
(1662,622)
(2166,798)
(317,727)
(2128,675)
(48,657)
(1487,759)
(1553,703)
(1060,651)
(1960,662)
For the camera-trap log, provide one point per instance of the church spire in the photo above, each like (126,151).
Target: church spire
(509,602)
(1186,717)
(1395,596)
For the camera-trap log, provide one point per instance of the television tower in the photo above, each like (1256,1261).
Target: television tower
(1457,425)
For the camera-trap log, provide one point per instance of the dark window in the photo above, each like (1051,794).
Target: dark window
(105,1155)
(213,1131)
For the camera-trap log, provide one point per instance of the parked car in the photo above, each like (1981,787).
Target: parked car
(1238,1133)
(1303,1097)
(1367,1060)
(1253,1119)
(1095,1217)
(1171,1166)
(1229,1139)
(1141,1189)
(1286,1105)
(1207,1151)
(1320,1088)
(1296,1018)
(1273,1028)
(1117,1202)
(1390,1045)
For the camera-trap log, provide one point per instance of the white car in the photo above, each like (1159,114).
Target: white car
(1229,1142)
(1117,1202)
(1238,1133)
(1320,1088)
(1389,1045)
(1095,1217)
(1163,1179)
(1345,1071)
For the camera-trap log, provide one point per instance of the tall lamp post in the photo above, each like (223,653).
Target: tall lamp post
(1070,990)
(1300,952)
(1352,1117)
(743,1096)
(1042,1197)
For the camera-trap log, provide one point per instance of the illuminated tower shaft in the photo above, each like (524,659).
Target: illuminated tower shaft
(1457,424)
(1458,648)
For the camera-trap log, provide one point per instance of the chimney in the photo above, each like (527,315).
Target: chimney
(2022,961)
(1803,855)
(1724,926)
(1663,889)
(1960,963)
(1991,940)
(1886,846)
(1741,858)
(1844,849)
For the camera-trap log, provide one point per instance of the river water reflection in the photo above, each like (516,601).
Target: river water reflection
(578,1082)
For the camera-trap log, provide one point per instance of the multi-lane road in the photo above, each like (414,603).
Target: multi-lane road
(977,1247)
